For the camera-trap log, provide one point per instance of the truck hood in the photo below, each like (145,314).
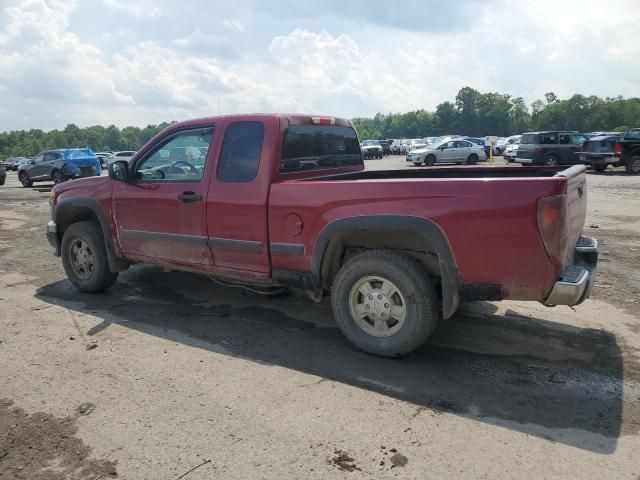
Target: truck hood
(88,183)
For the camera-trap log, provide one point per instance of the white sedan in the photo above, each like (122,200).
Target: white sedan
(452,151)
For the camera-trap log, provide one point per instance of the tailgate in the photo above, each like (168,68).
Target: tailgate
(576,201)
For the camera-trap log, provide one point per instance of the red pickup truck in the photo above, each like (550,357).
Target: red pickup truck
(285,200)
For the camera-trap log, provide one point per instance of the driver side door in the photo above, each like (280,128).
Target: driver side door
(160,213)
(448,152)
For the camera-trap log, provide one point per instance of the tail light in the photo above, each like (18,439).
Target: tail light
(617,148)
(552,223)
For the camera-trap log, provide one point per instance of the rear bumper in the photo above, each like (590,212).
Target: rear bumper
(599,158)
(578,277)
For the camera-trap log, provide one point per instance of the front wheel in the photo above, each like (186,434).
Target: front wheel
(385,302)
(633,165)
(84,258)
(25,180)
(430,160)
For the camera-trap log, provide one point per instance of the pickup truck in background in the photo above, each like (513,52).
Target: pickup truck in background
(614,150)
(285,200)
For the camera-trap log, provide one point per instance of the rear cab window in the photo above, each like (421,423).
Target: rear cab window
(318,147)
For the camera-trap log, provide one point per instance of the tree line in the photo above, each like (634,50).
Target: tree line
(27,143)
(480,114)
(472,113)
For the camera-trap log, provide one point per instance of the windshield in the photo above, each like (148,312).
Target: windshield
(368,143)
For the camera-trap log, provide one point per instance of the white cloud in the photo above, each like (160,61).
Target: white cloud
(137,8)
(234,25)
(180,66)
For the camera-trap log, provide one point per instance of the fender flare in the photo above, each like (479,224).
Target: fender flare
(116,263)
(428,229)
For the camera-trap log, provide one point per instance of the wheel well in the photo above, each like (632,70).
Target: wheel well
(76,214)
(345,245)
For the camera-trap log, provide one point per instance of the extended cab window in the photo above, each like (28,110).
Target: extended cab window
(180,157)
(317,147)
(241,149)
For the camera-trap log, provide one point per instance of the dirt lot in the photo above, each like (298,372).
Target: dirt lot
(168,372)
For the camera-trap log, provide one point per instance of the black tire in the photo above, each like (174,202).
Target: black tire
(57,177)
(98,277)
(498,151)
(600,168)
(633,165)
(2,180)
(417,292)
(430,160)
(472,159)
(24,179)
(551,161)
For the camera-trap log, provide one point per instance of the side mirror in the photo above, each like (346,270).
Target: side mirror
(119,171)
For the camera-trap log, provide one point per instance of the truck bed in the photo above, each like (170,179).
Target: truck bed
(447,172)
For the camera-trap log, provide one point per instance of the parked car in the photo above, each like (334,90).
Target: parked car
(103,157)
(3,174)
(416,143)
(429,140)
(480,141)
(452,151)
(598,152)
(13,163)
(124,155)
(395,147)
(371,149)
(59,166)
(627,151)
(503,143)
(550,148)
(393,248)
(386,146)
(511,152)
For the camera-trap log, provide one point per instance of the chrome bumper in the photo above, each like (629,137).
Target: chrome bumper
(577,278)
(53,237)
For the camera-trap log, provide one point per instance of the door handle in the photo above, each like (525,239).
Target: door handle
(189,197)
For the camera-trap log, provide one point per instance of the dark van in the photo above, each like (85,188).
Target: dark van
(550,148)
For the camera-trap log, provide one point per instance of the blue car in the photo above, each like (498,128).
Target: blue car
(59,166)
(480,141)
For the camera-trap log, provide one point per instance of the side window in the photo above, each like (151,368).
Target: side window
(181,157)
(549,138)
(241,149)
(578,139)
(451,145)
(39,158)
(565,139)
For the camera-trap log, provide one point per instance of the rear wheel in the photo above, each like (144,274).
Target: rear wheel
(633,165)
(600,168)
(24,179)
(472,159)
(57,177)
(84,258)
(385,302)
(551,161)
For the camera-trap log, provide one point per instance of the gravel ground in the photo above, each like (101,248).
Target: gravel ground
(168,372)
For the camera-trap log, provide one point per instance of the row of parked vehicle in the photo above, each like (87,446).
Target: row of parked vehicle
(596,149)
(60,165)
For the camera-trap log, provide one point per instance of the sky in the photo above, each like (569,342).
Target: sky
(127,62)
